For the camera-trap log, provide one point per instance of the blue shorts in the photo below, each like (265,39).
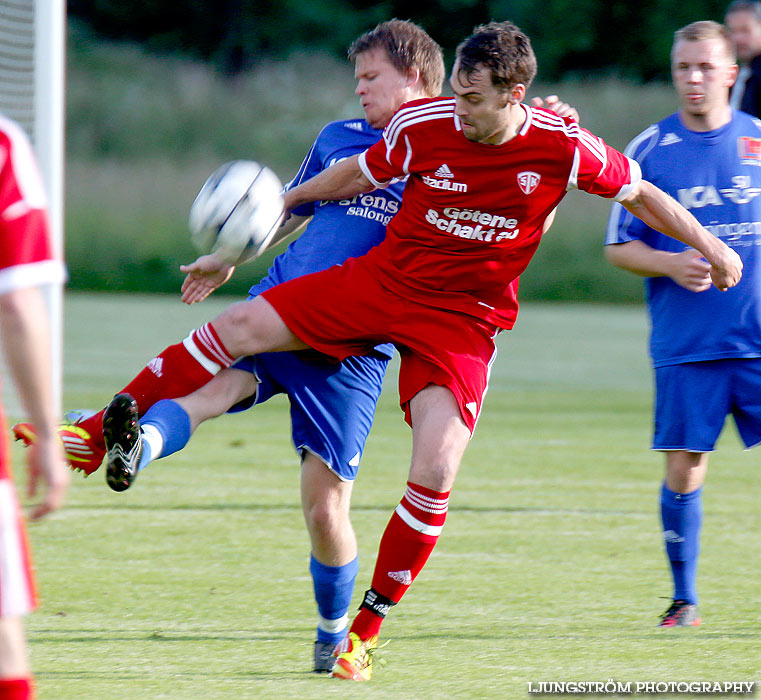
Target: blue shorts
(332,403)
(694,399)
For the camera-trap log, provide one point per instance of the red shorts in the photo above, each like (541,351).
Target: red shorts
(345,311)
(17,592)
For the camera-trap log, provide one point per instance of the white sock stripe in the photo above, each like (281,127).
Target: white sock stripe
(426,503)
(332,626)
(210,366)
(153,439)
(416,524)
(210,342)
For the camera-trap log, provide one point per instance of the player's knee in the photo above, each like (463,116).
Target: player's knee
(239,328)
(325,518)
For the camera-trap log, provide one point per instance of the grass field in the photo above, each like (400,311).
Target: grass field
(194,584)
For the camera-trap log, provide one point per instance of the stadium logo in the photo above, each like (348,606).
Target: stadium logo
(528,181)
(445,184)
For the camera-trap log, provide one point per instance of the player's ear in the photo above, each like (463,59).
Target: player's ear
(516,94)
(731,75)
(413,78)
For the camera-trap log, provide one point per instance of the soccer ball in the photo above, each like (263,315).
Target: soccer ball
(237,211)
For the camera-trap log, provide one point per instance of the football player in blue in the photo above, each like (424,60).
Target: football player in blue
(705,344)
(332,405)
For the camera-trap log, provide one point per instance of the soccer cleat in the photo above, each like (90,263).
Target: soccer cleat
(323,656)
(124,442)
(78,447)
(354,658)
(680,614)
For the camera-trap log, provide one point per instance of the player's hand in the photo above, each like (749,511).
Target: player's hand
(203,276)
(690,270)
(728,271)
(47,469)
(553,102)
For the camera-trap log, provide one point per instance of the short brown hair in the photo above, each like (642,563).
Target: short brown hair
(703,30)
(502,48)
(408,47)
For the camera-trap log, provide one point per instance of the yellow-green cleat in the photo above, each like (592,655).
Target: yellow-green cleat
(354,658)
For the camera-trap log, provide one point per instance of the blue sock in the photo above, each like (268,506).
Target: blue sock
(682,516)
(333,588)
(172,423)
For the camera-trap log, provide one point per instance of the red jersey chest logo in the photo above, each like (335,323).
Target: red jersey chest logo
(749,148)
(528,181)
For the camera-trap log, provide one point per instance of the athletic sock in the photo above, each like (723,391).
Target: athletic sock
(333,588)
(16,689)
(166,430)
(682,516)
(407,542)
(177,371)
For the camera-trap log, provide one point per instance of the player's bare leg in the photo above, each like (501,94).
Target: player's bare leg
(14,661)
(682,515)
(252,327)
(15,672)
(439,439)
(326,500)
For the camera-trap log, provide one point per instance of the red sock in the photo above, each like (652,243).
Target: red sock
(177,371)
(16,689)
(407,542)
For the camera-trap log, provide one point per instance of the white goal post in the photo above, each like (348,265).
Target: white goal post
(32,75)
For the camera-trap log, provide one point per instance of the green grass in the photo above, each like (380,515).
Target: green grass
(194,584)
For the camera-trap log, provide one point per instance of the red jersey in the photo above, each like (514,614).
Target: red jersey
(472,213)
(26,252)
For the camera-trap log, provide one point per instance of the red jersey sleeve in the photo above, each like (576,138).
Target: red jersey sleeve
(26,250)
(600,169)
(390,157)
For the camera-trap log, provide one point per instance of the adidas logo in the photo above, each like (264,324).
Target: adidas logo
(669,138)
(354,461)
(473,408)
(673,537)
(357,126)
(156,365)
(444,171)
(403,577)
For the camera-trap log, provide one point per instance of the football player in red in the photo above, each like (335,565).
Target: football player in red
(26,260)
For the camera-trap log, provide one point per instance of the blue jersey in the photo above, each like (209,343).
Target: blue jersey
(716,175)
(340,229)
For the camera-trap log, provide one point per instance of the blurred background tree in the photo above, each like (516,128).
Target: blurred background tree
(627,38)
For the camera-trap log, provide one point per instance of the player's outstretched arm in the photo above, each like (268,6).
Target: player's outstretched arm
(665,214)
(339,181)
(687,268)
(26,344)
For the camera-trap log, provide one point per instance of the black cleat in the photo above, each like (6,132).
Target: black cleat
(680,614)
(124,442)
(323,656)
